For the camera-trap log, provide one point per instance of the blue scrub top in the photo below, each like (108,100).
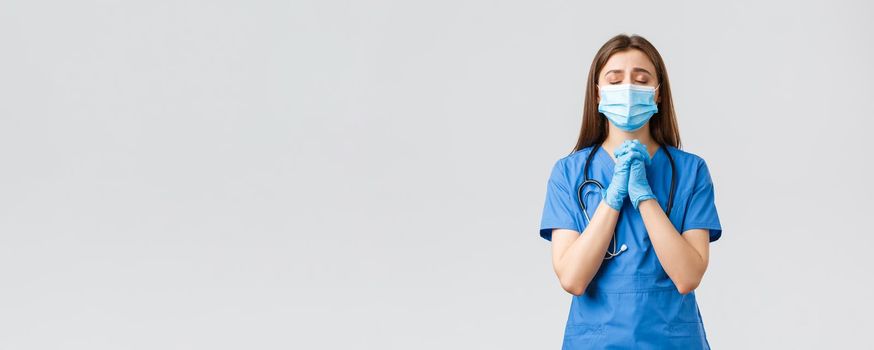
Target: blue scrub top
(631,302)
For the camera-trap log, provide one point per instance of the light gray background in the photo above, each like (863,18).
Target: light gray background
(327,174)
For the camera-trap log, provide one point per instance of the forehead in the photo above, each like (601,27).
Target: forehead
(627,60)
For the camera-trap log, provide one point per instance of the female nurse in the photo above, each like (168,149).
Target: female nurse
(640,296)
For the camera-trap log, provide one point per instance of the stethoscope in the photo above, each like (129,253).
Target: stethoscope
(587,181)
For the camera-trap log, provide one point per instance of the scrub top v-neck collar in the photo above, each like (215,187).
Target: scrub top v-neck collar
(608,160)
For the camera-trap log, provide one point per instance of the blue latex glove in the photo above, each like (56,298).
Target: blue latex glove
(638,185)
(626,155)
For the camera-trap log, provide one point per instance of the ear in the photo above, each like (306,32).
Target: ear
(597,94)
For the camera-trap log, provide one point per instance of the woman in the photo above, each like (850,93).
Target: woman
(639,296)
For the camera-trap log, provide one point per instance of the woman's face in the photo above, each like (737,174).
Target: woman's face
(629,67)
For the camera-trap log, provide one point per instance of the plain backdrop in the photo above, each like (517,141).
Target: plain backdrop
(371,174)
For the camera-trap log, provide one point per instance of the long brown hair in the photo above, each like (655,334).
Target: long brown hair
(662,125)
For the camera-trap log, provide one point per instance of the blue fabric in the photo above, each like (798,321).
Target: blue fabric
(631,302)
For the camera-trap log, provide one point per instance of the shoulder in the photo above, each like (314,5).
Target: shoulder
(687,159)
(684,155)
(692,164)
(576,159)
(566,166)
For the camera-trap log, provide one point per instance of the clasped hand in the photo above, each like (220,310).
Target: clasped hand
(629,175)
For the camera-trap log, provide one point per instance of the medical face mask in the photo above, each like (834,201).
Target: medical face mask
(627,106)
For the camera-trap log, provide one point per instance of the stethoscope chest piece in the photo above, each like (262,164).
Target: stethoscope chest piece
(610,254)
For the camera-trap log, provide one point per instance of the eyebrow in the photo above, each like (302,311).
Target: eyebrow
(635,69)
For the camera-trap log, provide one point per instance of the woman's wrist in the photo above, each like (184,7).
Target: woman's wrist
(641,199)
(613,197)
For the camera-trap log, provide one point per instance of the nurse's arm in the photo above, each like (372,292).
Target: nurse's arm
(684,257)
(577,257)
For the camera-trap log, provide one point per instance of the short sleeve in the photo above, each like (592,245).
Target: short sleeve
(559,207)
(701,208)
